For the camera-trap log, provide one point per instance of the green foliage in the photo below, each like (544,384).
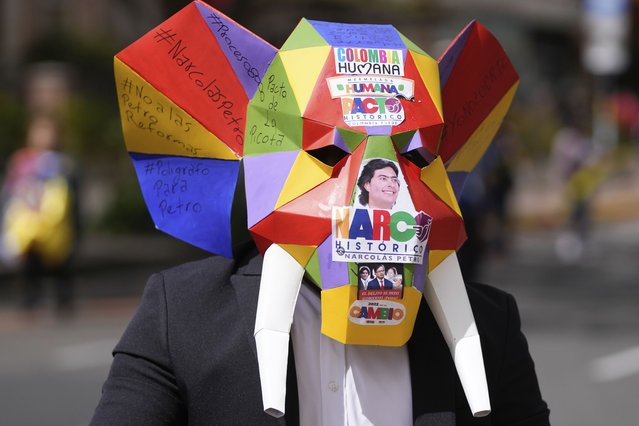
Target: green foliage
(93,130)
(90,57)
(12,127)
(535,129)
(127,212)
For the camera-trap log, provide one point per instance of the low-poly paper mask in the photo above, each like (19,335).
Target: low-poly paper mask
(342,154)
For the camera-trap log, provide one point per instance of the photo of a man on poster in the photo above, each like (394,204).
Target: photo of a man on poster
(380,282)
(385,284)
(380,185)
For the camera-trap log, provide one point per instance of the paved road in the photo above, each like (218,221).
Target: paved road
(581,320)
(51,371)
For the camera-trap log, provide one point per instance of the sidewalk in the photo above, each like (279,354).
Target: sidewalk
(110,267)
(538,201)
(103,251)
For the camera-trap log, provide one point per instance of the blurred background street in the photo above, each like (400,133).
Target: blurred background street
(580,318)
(552,212)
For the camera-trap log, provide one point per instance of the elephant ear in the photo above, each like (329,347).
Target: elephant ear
(478,83)
(183,90)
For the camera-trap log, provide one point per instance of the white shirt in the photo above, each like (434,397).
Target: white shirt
(364,283)
(346,384)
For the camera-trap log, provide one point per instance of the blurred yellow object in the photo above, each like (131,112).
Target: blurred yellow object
(46,229)
(584,182)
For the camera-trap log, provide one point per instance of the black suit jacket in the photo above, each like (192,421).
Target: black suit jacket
(188,357)
(374,284)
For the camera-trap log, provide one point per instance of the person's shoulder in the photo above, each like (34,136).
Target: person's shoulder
(496,313)
(194,269)
(212,272)
(200,291)
(494,309)
(487,296)
(510,371)
(17,158)
(189,287)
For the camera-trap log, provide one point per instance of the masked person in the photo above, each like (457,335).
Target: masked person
(281,337)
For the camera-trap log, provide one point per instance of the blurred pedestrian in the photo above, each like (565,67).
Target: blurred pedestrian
(576,160)
(484,205)
(40,220)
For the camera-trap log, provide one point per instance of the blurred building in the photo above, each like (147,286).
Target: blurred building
(543,39)
(25,23)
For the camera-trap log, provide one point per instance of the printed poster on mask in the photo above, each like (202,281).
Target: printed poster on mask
(382,225)
(369,85)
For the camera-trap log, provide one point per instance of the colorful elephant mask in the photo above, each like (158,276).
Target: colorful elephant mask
(342,154)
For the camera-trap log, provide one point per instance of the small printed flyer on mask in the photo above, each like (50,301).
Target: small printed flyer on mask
(380,281)
(369,85)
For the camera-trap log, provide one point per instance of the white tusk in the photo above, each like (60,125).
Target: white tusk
(279,286)
(446,296)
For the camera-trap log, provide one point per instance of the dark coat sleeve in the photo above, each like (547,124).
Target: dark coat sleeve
(519,400)
(512,381)
(141,387)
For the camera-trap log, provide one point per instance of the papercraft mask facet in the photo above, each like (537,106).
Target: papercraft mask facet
(342,154)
